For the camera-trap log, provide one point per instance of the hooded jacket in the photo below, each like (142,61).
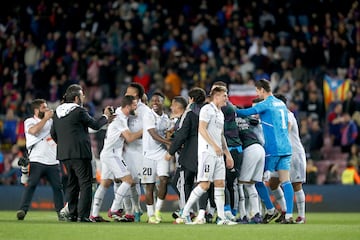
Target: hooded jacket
(70,131)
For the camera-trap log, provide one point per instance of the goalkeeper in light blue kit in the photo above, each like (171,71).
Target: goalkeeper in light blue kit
(274,119)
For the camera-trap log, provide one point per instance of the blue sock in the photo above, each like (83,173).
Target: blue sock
(234,212)
(227,208)
(289,196)
(264,194)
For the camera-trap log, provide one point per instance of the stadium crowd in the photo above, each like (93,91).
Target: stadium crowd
(172,46)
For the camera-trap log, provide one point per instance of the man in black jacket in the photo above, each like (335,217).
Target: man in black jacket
(70,131)
(186,141)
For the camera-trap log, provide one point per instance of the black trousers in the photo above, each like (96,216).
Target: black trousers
(79,187)
(52,175)
(231,175)
(183,182)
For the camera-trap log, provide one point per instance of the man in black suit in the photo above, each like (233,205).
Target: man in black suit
(186,141)
(70,131)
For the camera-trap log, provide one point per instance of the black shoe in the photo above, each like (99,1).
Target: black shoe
(208,217)
(98,219)
(269,217)
(61,217)
(71,219)
(287,221)
(84,219)
(20,214)
(176,214)
(281,218)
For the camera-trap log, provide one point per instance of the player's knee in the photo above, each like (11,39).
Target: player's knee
(163,180)
(274,183)
(297,186)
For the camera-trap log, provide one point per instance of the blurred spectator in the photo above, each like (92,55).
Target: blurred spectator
(305,136)
(349,133)
(143,77)
(11,168)
(2,165)
(311,172)
(354,156)
(349,105)
(332,174)
(317,140)
(31,56)
(300,73)
(41,81)
(313,106)
(10,125)
(335,120)
(350,176)
(173,84)
(284,50)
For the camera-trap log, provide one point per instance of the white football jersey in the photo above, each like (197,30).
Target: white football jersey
(296,144)
(215,119)
(152,148)
(113,142)
(135,124)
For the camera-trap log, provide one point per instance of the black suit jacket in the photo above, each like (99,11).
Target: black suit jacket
(72,136)
(186,140)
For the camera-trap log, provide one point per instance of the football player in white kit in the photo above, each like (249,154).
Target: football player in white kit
(133,153)
(155,165)
(211,150)
(113,166)
(297,170)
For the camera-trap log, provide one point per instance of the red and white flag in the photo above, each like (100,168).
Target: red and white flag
(241,94)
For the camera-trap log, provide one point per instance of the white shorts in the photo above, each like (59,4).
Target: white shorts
(210,167)
(298,167)
(253,164)
(134,160)
(153,168)
(113,167)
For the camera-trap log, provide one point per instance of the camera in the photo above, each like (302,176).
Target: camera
(111,110)
(23,161)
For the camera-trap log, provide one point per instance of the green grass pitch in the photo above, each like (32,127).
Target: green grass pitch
(43,225)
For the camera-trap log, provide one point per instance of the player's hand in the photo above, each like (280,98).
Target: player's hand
(218,151)
(229,161)
(49,114)
(109,111)
(168,157)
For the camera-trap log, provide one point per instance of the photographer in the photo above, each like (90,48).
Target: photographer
(41,158)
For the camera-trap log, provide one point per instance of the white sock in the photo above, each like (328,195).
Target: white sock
(201,214)
(116,186)
(242,209)
(194,197)
(150,210)
(159,204)
(134,197)
(300,202)
(98,199)
(253,199)
(127,203)
(211,211)
(219,197)
(120,193)
(279,198)
(270,211)
(236,197)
